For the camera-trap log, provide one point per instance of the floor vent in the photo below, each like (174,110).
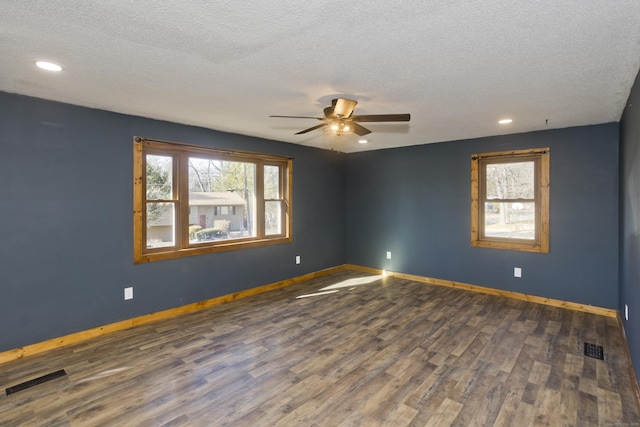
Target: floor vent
(36,381)
(594,351)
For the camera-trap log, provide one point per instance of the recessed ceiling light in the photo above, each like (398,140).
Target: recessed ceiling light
(505,121)
(362,141)
(49,66)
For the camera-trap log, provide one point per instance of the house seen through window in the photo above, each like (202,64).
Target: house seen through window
(192,200)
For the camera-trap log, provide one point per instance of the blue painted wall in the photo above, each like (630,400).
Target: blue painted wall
(630,222)
(66,249)
(415,202)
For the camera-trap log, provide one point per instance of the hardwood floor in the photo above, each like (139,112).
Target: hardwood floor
(391,352)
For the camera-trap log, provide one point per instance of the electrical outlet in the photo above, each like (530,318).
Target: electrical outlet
(517,272)
(297,259)
(626,312)
(388,255)
(128,293)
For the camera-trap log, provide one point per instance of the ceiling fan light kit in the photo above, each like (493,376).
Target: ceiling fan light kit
(339,119)
(338,128)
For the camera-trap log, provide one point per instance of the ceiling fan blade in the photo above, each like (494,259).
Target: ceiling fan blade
(311,128)
(360,130)
(382,118)
(299,117)
(343,108)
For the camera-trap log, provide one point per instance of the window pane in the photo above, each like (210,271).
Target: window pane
(271,182)
(159,177)
(273,217)
(509,220)
(510,180)
(161,222)
(221,200)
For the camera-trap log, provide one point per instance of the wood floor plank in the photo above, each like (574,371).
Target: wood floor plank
(445,414)
(609,407)
(390,352)
(568,405)
(545,412)
(507,415)
(587,413)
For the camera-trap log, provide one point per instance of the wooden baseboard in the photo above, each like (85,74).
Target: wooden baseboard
(608,312)
(632,372)
(76,337)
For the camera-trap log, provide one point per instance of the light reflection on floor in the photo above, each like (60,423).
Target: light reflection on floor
(317,294)
(349,283)
(104,374)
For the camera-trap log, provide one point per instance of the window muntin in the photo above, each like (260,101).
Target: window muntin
(190,200)
(510,200)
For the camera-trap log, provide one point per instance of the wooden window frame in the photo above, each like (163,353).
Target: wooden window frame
(180,153)
(540,157)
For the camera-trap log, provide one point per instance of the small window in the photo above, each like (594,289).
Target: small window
(510,200)
(191,200)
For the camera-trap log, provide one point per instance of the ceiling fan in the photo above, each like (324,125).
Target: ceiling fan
(339,119)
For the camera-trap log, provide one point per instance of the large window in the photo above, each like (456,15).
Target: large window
(190,200)
(510,200)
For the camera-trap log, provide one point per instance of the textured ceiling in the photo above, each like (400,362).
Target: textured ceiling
(456,66)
